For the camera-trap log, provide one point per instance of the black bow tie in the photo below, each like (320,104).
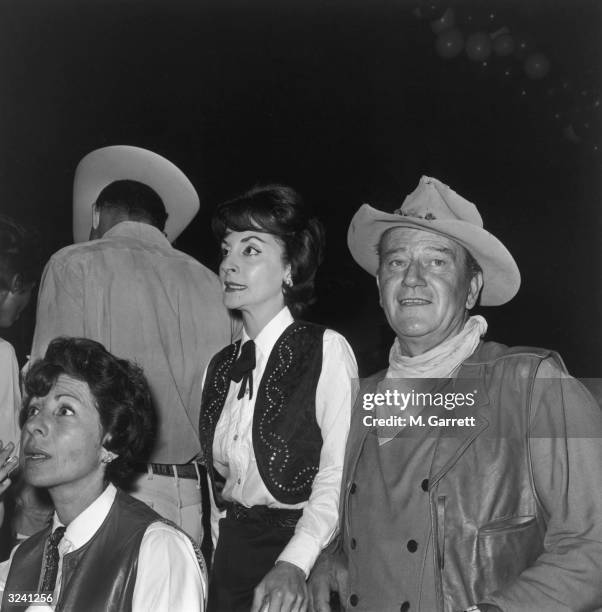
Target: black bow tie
(243,367)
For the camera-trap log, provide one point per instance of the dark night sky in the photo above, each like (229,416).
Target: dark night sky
(345,100)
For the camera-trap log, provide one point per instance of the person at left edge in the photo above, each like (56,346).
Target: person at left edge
(87,417)
(20,267)
(145,301)
(275,408)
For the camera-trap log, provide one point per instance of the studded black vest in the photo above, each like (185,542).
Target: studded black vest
(286,437)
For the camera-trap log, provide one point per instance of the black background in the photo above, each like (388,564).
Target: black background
(348,102)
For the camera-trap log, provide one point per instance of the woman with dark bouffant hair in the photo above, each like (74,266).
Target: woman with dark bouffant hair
(275,407)
(86,419)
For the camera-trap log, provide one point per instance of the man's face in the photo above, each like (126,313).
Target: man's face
(424,287)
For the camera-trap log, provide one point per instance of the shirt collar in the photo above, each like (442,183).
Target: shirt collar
(81,529)
(136,229)
(264,343)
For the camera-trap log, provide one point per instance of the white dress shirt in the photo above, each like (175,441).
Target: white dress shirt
(234,458)
(168,577)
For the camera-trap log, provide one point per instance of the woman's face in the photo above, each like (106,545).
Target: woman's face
(61,440)
(252,272)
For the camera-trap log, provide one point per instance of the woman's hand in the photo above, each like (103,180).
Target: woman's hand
(8,462)
(282,590)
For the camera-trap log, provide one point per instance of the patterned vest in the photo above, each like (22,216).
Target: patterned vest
(101,575)
(286,437)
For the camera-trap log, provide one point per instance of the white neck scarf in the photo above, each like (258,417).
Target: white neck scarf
(442,360)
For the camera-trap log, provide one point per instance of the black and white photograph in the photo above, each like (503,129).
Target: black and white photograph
(300,305)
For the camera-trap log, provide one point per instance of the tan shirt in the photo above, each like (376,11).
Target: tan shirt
(145,301)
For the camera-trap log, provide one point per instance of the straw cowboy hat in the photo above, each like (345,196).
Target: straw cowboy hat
(103,166)
(434,207)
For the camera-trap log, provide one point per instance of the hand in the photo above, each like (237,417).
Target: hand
(8,463)
(282,590)
(329,574)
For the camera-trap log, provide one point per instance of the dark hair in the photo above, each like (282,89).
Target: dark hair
(139,201)
(120,390)
(20,253)
(279,210)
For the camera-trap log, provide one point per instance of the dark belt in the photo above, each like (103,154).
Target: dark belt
(186,470)
(274,517)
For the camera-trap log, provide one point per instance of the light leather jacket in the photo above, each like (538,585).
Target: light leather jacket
(517,522)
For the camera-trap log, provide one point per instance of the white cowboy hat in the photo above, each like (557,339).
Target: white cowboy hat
(434,207)
(103,166)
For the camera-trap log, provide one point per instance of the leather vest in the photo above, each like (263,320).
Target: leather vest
(286,437)
(100,576)
(487,521)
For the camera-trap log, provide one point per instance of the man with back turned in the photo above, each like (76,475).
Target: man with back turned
(129,289)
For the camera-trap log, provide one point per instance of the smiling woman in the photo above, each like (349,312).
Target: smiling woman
(275,407)
(86,419)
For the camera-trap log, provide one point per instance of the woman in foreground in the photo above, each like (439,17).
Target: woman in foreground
(275,408)
(87,416)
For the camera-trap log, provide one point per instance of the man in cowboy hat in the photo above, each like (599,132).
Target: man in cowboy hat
(491,497)
(132,291)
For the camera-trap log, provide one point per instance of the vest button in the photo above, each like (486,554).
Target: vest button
(353,488)
(412,546)
(425,484)
(354,599)
(405,606)
(353,543)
